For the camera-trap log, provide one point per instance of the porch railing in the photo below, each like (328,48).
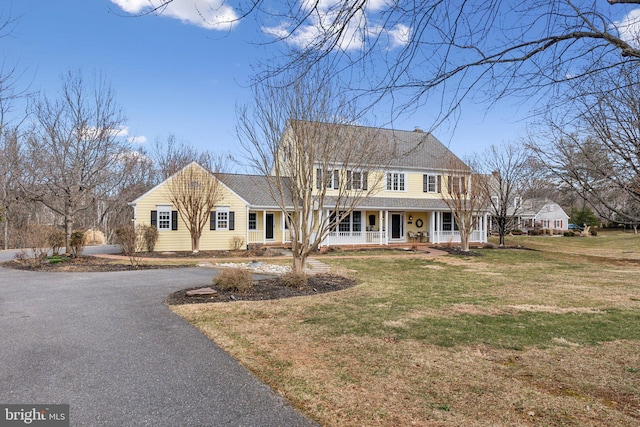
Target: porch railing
(355,238)
(454,236)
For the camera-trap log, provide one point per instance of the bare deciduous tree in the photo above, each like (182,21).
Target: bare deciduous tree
(172,154)
(592,147)
(74,147)
(505,183)
(299,134)
(10,174)
(194,192)
(454,50)
(466,196)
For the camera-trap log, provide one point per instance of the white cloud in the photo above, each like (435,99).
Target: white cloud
(123,131)
(354,35)
(629,27)
(208,14)
(137,139)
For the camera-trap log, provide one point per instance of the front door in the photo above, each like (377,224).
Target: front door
(269,228)
(396,226)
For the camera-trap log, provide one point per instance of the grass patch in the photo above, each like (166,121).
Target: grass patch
(55,259)
(512,337)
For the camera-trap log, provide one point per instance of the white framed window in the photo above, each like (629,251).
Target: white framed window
(253,221)
(332,179)
(448,222)
(457,184)
(517,202)
(357,180)
(395,181)
(222,218)
(164,218)
(429,183)
(351,223)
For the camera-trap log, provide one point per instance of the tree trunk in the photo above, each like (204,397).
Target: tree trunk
(68,228)
(299,262)
(464,241)
(195,242)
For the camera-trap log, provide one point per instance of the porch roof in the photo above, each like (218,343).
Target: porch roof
(402,203)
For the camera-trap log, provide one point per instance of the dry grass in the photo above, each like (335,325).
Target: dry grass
(546,339)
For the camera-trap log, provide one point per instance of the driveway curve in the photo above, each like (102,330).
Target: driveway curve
(105,344)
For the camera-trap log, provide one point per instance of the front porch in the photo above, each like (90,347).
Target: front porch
(366,228)
(385,227)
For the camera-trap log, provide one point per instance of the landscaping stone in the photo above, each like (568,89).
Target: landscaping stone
(202,292)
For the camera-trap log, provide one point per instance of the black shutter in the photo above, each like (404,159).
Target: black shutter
(425,183)
(365,179)
(349,182)
(439,184)
(212,221)
(154,219)
(336,179)
(232,220)
(318,178)
(174,220)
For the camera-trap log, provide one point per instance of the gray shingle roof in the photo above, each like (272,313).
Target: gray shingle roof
(408,149)
(252,188)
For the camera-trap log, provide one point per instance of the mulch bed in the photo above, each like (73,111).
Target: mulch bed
(267,289)
(81,264)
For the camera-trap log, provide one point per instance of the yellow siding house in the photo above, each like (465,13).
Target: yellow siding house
(407,207)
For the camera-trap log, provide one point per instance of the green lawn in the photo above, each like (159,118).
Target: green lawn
(511,337)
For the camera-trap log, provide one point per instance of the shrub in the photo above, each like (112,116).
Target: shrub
(129,240)
(593,232)
(94,237)
(568,234)
(236,243)
(295,279)
(77,243)
(234,279)
(35,237)
(55,239)
(150,236)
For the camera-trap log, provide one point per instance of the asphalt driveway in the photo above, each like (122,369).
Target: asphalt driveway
(105,344)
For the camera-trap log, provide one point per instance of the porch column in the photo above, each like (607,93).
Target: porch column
(386,227)
(264,226)
(380,238)
(485,235)
(432,227)
(323,214)
(246,228)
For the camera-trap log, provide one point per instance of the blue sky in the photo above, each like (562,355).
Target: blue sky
(172,75)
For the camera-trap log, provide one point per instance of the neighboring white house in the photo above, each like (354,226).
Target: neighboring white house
(540,214)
